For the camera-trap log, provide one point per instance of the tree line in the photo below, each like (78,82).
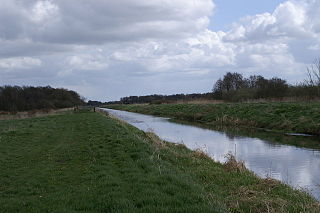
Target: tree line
(16,98)
(159,99)
(234,87)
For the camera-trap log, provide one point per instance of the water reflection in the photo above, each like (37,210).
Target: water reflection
(296,166)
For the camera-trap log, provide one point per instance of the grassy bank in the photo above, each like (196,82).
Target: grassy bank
(86,162)
(287,117)
(33,113)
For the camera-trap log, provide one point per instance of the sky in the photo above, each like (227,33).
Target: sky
(106,49)
(229,11)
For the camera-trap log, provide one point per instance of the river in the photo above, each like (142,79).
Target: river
(296,166)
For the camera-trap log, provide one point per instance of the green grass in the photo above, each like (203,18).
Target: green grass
(285,117)
(86,162)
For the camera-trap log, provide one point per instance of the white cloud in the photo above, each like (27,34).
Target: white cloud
(82,43)
(291,19)
(43,11)
(87,62)
(19,63)
(102,21)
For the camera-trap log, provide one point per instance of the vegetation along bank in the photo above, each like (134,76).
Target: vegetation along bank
(299,117)
(87,162)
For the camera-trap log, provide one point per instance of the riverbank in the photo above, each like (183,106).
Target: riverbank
(299,117)
(87,162)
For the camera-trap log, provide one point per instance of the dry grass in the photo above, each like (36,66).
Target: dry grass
(226,119)
(199,101)
(233,165)
(200,153)
(259,198)
(32,113)
(284,100)
(180,145)
(158,142)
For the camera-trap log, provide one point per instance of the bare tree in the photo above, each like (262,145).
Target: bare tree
(313,72)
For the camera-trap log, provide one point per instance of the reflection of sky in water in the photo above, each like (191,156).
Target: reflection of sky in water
(298,167)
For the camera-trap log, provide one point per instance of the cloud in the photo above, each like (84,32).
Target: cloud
(19,63)
(97,22)
(43,11)
(290,20)
(108,49)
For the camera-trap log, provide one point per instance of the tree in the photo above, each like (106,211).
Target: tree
(233,87)
(15,98)
(217,89)
(277,87)
(255,81)
(232,81)
(313,72)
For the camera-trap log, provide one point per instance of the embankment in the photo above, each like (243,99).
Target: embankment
(299,117)
(87,162)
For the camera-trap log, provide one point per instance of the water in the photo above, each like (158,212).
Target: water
(298,167)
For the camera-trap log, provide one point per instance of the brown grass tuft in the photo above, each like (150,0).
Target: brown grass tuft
(199,153)
(180,145)
(233,165)
(270,183)
(158,142)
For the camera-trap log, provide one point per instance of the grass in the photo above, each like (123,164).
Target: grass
(33,113)
(86,162)
(299,117)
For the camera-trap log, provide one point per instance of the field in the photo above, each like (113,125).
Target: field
(298,117)
(88,162)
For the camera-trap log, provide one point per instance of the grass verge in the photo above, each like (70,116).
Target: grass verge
(33,113)
(86,162)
